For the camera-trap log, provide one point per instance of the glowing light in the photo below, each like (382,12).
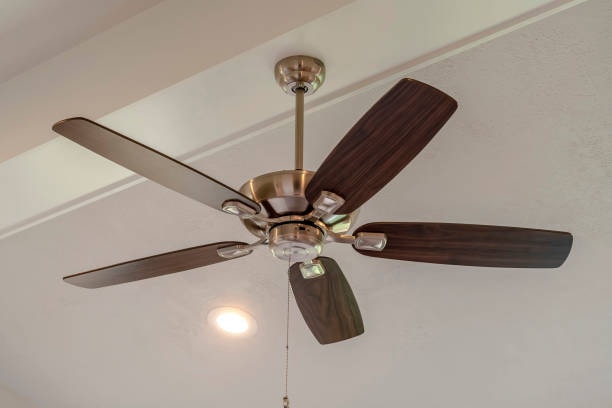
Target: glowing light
(232,321)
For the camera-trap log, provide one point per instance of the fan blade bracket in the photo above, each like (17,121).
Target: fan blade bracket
(365,241)
(235,207)
(312,269)
(239,250)
(232,252)
(370,241)
(326,204)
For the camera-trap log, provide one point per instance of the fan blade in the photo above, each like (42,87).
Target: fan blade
(150,267)
(327,303)
(149,163)
(382,143)
(474,245)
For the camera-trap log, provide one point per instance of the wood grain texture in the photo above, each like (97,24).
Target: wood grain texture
(149,163)
(327,303)
(474,245)
(382,143)
(152,266)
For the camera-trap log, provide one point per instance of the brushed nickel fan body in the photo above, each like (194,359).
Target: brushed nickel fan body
(286,220)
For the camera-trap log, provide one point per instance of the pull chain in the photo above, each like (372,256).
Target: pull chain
(286,397)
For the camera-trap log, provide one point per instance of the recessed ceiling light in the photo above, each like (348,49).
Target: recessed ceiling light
(232,321)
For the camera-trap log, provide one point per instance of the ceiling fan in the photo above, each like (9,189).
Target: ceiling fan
(296,212)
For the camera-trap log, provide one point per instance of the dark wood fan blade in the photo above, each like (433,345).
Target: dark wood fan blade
(382,143)
(150,267)
(149,163)
(474,245)
(327,303)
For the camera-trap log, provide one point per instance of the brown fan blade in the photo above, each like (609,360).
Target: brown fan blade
(327,303)
(149,163)
(474,245)
(150,267)
(382,143)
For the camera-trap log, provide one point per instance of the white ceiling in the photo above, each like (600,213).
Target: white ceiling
(148,52)
(529,146)
(32,31)
(8,399)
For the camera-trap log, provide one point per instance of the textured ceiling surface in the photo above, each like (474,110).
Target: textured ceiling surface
(530,146)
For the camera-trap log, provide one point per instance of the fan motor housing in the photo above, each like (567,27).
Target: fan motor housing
(282,194)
